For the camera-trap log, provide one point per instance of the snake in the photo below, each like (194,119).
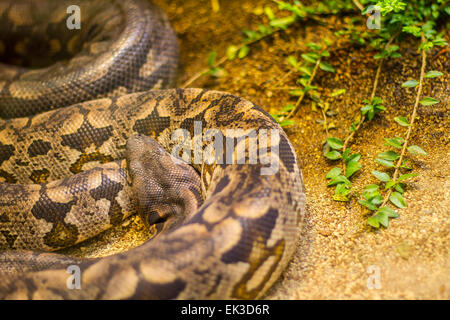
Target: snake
(98,135)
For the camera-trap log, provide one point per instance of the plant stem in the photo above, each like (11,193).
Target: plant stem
(325,123)
(302,95)
(410,128)
(282,88)
(372,95)
(358,4)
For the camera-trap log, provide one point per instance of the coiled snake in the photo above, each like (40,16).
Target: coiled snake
(76,158)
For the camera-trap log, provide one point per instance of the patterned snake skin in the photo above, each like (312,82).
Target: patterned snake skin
(223,230)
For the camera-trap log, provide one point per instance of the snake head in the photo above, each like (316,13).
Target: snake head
(167,188)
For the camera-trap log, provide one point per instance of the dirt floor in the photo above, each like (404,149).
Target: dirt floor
(337,252)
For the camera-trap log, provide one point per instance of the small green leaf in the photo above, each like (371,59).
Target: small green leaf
(282,23)
(389,184)
(393,48)
(251,35)
(310,57)
(428,101)
(389,155)
(410,84)
(354,157)
(385,163)
(417,150)
(352,167)
(382,218)
(297,92)
(292,61)
(395,142)
(325,53)
(308,88)
(389,212)
(333,173)
(372,196)
(335,143)
(303,80)
(333,155)
(325,66)
(368,205)
(373,221)
(269,12)
(345,154)
(338,92)
(371,188)
(341,192)
(340,197)
(400,187)
(287,108)
(407,176)
(212,58)
(217,72)
(402,121)
(341,189)
(286,123)
(243,52)
(305,70)
(313,46)
(339,179)
(378,56)
(379,108)
(433,74)
(366,108)
(377,100)
(231,52)
(414,30)
(376,200)
(381,176)
(397,199)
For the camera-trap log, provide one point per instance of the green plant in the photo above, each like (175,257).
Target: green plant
(399,19)
(280,116)
(214,70)
(307,67)
(395,184)
(341,151)
(418,19)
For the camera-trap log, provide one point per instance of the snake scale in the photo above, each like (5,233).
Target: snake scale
(82,147)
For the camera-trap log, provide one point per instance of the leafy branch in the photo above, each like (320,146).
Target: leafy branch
(350,162)
(395,186)
(418,19)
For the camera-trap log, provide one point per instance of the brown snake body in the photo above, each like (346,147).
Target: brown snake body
(229,235)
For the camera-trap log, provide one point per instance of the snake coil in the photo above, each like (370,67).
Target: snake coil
(72,162)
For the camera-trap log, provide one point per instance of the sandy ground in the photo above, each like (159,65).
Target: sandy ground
(338,256)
